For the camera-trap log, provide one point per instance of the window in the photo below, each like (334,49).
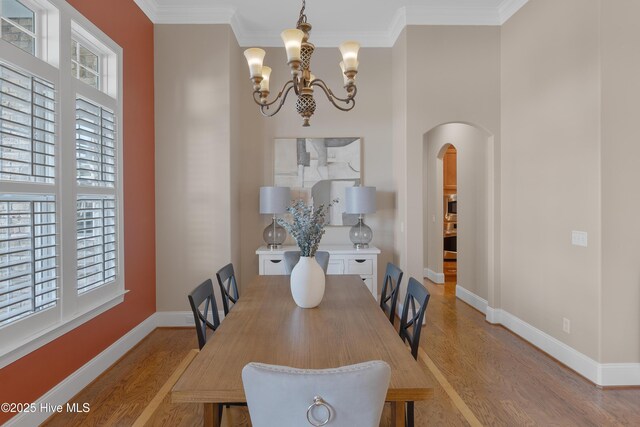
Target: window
(28,256)
(96,242)
(27,127)
(19,25)
(85,64)
(61,246)
(95,144)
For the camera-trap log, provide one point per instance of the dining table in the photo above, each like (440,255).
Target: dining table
(266,326)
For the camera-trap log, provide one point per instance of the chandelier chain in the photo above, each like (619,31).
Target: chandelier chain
(303,17)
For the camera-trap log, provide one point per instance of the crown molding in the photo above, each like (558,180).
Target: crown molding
(508,8)
(406,15)
(149,7)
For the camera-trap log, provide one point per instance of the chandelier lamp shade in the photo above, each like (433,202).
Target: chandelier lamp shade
(299,52)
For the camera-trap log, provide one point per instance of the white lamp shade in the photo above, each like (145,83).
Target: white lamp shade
(274,200)
(266,75)
(360,200)
(292,43)
(349,52)
(255,57)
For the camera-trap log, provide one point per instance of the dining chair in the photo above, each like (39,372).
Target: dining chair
(417,298)
(203,294)
(340,397)
(291,258)
(390,288)
(228,287)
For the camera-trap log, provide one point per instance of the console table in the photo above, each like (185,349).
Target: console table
(343,259)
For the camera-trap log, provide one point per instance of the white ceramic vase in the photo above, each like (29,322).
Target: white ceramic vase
(307,282)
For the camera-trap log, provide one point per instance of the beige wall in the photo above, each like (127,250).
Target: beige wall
(453,75)
(236,82)
(557,102)
(194,199)
(551,168)
(473,149)
(620,295)
(399,155)
(370,119)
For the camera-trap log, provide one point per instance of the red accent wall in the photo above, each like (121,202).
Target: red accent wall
(33,375)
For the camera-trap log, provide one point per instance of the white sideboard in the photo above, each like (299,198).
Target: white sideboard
(343,259)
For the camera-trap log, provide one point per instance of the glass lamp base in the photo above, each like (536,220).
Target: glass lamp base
(274,235)
(360,235)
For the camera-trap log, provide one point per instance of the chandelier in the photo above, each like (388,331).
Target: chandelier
(299,52)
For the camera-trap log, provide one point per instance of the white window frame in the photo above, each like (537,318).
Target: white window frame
(47,29)
(58,22)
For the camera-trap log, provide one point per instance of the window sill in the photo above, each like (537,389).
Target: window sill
(44,337)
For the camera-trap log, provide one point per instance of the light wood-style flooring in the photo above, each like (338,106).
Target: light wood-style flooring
(501,379)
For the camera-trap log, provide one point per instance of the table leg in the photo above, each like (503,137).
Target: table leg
(397,414)
(211,415)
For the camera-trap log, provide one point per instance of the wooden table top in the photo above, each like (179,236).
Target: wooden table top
(266,326)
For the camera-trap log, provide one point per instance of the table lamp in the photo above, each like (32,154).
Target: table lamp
(273,201)
(360,201)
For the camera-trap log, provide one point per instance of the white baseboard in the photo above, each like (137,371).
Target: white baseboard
(602,374)
(619,374)
(472,299)
(70,386)
(172,319)
(433,276)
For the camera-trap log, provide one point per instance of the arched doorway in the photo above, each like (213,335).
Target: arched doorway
(474,227)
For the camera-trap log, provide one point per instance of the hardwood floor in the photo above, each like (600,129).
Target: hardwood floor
(502,380)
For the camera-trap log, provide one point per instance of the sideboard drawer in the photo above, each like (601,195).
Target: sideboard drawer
(360,266)
(273,266)
(336,266)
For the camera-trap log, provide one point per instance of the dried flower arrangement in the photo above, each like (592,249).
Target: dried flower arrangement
(307,225)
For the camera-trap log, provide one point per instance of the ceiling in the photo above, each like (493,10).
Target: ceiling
(371,22)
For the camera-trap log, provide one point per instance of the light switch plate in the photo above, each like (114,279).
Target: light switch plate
(579,238)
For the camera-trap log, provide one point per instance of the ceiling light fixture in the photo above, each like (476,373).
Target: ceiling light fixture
(299,52)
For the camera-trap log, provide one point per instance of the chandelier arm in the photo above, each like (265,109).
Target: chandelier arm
(257,98)
(282,96)
(332,98)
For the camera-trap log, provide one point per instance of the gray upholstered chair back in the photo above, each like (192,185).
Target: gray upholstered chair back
(289,397)
(291,258)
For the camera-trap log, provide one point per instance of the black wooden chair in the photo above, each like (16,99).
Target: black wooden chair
(291,258)
(410,327)
(390,290)
(228,286)
(204,294)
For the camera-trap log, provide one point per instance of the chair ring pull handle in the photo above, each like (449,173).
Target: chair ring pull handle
(318,401)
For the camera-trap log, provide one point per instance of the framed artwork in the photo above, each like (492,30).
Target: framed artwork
(318,170)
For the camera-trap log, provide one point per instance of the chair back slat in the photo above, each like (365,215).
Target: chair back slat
(228,287)
(410,327)
(390,287)
(203,293)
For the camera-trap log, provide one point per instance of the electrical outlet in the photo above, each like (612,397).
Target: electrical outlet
(579,238)
(433,218)
(566,325)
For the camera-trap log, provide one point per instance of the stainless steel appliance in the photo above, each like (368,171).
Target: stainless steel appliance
(450,224)
(451,207)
